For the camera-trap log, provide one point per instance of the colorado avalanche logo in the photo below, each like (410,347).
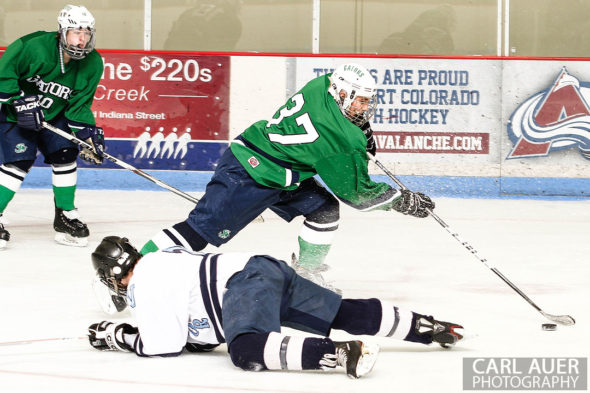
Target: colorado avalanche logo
(554,119)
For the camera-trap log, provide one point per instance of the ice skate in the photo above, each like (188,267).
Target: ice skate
(314,274)
(4,235)
(69,230)
(443,333)
(356,357)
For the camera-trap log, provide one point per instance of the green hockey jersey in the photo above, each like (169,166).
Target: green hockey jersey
(33,65)
(309,135)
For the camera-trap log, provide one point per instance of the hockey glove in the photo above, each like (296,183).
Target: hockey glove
(29,113)
(107,336)
(413,203)
(371,146)
(94,136)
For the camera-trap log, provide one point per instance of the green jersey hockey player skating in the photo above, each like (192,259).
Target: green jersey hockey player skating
(322,130)
(50,77)
(309,136)
(33,65)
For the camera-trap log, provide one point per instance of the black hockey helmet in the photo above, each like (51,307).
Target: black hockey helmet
(113,259)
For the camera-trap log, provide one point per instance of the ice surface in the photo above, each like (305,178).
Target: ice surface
(542,246)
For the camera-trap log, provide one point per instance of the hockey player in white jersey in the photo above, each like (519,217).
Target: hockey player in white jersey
(195,301)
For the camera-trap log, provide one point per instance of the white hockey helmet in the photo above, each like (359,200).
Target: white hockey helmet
(349,81)
(76,17)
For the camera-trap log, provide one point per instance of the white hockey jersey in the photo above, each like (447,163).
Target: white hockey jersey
(176,297)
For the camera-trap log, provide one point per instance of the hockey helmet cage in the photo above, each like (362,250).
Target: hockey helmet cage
(113,259)
(76,17)
(355,81)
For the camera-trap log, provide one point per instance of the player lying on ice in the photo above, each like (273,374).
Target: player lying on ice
(243,300)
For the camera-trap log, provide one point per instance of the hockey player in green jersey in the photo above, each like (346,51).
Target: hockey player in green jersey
(52,77)
(272,164)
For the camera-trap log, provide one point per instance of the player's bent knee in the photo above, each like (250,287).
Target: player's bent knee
(62,156)
(194,240)
(247,351)
(329,212)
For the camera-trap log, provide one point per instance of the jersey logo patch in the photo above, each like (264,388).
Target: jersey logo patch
(196,324)
(224,234)
(20,148)
(253,161)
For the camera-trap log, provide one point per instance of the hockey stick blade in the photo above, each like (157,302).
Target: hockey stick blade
(561,319)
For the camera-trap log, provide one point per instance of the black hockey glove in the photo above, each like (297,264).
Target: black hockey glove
(107,336)
(371,146)
(94,136)
(413,203)
(29,113)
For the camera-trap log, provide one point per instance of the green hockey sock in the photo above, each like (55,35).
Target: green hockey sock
(6,196)
(64,197)
(311,255)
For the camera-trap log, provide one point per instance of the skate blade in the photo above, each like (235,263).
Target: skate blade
(3,244)
(466,335)
(69,240)
(367,361)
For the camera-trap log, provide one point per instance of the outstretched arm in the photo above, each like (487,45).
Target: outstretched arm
(109,336)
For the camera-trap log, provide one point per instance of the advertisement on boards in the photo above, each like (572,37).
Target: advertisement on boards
(547,116)
(163,111)
(429,110)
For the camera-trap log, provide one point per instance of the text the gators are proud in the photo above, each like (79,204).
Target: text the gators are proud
(420,96)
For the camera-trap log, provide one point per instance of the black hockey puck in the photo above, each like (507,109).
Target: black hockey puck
(549,326)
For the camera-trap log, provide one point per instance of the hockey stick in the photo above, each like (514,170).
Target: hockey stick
(39,340)
(122,164)
(561,319)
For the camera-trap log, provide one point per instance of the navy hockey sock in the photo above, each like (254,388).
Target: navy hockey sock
(359,316)
(247,351)
(274,351)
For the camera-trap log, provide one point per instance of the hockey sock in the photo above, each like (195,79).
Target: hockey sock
(395,322)
(317,233)
(377,318)
(6,196)
(274,351)
(359,316)
(64,178)
(180,234)
(311,255)
(11,179)
(315,240)
(296,353)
